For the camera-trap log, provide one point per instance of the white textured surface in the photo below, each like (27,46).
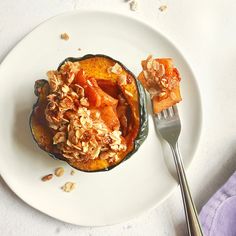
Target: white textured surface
(205,32)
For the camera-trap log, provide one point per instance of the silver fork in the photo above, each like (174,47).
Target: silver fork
(168,125)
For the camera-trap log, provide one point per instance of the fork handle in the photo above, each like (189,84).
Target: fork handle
(193,225)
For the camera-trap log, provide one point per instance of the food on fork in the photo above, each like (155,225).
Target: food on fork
(90,113)
(161,79)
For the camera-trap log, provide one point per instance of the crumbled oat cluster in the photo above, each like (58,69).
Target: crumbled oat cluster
(68,187)
(65,36)
(162,7)
(47,177)
(59,171)
(158,82)
(80,133)
(133,5)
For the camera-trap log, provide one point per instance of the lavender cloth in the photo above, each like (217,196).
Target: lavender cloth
(218,216)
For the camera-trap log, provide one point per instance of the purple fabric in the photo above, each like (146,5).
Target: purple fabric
(218,216)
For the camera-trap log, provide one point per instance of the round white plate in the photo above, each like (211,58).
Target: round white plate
(103,198)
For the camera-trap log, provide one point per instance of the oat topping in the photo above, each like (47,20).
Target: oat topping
(59,137)
(72,172)
(116,69)
(173,96)
(65,36)
(157,80)
(122,80)
(47,177)
(68,187)
(128,93)
(84,102)
(79,133)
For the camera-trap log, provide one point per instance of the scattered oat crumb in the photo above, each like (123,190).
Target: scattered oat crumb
(68,187)
(65,36)
(133,5)
(163,7)
(72,172)
(79,49)
(59,171)
(47,177)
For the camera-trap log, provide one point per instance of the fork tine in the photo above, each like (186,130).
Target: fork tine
(164,112)
(175,109)
(170,112)
(159,116)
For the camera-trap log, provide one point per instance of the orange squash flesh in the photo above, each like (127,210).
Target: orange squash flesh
(160,105)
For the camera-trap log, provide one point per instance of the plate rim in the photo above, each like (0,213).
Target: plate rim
(140,20)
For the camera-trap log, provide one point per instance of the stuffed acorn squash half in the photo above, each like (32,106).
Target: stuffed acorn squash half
(90,113)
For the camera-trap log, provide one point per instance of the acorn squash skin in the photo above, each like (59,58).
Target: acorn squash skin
(42,134)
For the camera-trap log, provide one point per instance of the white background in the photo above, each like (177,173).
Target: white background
(205,31)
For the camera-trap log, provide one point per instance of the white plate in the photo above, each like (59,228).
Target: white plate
(106,197)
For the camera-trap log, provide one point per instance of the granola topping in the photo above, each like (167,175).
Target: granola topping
(79,133)
(116,69)
(159,84)
(122,80)
(128,93)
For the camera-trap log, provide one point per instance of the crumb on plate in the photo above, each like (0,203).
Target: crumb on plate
(47,177)
(68,187)
(65,36)
(163,7)
(133,5)
(59,171)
